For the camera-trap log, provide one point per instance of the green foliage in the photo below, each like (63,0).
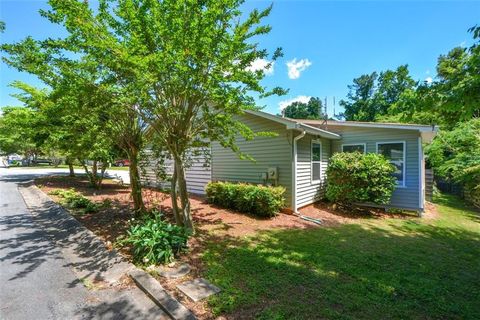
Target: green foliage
(455,155)
(372,95)
(357,177)
(154,240)
(313,109)
(18,131)
(74,200)
(262,201)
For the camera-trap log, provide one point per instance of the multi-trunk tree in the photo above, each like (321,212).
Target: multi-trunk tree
(188,60)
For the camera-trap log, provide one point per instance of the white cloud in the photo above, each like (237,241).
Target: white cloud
(285,103)
(262,64)
(296,67)
(428,80)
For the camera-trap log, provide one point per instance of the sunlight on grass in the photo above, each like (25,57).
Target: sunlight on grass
(391,268)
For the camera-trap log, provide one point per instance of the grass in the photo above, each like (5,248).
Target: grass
(372,269)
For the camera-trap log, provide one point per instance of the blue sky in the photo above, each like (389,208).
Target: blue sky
(332,42)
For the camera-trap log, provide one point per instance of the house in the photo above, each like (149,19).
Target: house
(297,157)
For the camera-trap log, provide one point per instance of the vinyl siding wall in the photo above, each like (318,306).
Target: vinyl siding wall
(403,197)
(267,152)
(308,191)
(197,175)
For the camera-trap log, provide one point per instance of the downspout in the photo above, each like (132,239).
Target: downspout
(294,189)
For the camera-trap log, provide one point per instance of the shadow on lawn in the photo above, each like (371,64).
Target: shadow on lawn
(400,270)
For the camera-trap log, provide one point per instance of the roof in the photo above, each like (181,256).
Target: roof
(295,124)
(401,126)
(427,132)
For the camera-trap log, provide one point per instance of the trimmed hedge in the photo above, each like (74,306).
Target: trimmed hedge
(357,177)
(262,201)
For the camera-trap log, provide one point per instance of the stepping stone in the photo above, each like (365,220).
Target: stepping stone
(198,289)
(174,272)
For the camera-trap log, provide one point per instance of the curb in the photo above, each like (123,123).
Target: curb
(68,231)
(157,293)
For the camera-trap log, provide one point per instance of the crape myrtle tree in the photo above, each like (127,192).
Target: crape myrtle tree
(73,120)
(191,58)
(91,116)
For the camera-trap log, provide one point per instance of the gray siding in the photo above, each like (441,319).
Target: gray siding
(308,191)
(267,152)
(403,197)
(197,175)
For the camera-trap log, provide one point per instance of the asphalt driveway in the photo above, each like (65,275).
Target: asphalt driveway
(37,283)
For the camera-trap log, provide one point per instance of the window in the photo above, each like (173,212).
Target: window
(395,152)
(316,161)
(359,147)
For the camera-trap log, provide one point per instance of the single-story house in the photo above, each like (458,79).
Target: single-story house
(297,157)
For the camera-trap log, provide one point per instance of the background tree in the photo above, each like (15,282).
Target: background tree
(372,96)
(359,103)
(313,109)
(455,94)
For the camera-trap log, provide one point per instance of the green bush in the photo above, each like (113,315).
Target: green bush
(154,240)
(357,177)
(263,201)
(75,200)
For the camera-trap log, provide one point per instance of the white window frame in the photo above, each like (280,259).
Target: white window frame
(356,144)
(312,162)
(403,184)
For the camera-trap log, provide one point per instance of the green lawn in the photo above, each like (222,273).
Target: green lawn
(373,269)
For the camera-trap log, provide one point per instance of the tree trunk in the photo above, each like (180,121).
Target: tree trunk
(173,194)
(92,176)
(184,200)
(71,171)
(135,183)
(102,175)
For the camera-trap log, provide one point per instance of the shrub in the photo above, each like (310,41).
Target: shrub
(357,177)
(154,240)
(75,200)
(263,201)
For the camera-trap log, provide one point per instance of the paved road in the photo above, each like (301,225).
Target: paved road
(35,280)
(29,173)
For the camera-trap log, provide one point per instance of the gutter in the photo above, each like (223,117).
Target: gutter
(295,156)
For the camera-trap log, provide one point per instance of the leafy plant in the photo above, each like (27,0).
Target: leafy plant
(356,177)
(263,201)
(455,155)
(75,200)
(154,240)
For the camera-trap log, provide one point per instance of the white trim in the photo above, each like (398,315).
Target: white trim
(316,141)
(356,144)
(421,187)
(403,185)
(294,169)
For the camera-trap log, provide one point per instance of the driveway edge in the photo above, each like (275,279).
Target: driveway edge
(89,256)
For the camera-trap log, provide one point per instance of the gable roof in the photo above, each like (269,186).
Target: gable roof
(296,125)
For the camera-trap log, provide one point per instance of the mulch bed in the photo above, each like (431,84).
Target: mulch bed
(212,223)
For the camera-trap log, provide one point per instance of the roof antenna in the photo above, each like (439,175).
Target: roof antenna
(325,115)
(334,115)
